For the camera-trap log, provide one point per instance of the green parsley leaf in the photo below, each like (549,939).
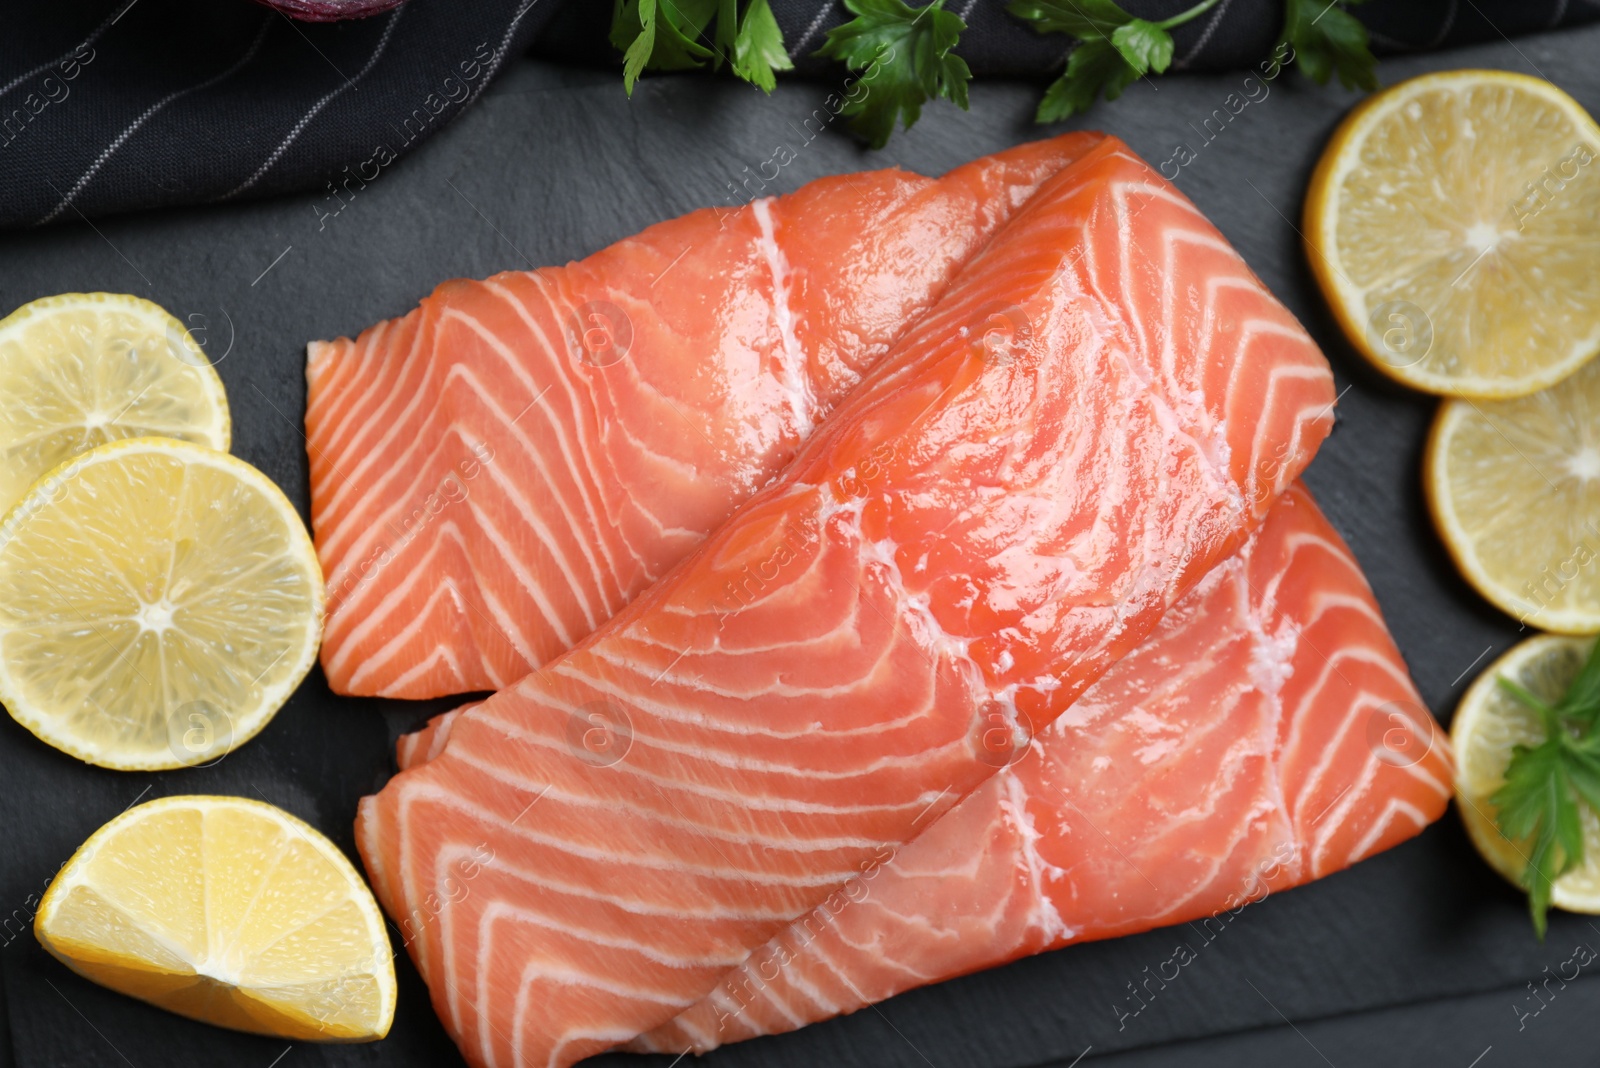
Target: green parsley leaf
(905,56)
(1087,20)
(1114,48)
(659,35)
(1583,770)
(1582,699)
(757,50)
(1146,46)
(1328,40)
(633,29)
(1538,803)
(1093,67)
(685,34)
(1529,699)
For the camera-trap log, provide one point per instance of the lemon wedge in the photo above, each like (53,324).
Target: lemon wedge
(228,911)
(159,601)
(1488,723)
(82,369)
(1451,223)
(1514,487)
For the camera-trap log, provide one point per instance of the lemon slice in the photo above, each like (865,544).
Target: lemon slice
(1451,223)
(228,911)
(83,369)
(1514,487)
(159,601)
(1488,723)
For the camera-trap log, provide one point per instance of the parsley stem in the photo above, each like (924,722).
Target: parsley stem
(1532,700)
(1184,16)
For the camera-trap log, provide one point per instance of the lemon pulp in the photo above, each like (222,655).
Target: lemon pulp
(1452,223)
(228,911)
(159,601)
(81,369)
(1514,486)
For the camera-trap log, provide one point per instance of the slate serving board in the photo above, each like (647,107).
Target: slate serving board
(1419,956)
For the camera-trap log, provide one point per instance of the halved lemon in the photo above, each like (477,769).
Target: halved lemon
(1488,723)
(1514,487)
(1452,223)
(159,601)
(228,911)
(82,369)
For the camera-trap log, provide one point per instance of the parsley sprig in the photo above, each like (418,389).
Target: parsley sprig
(683,34)
(1114,49)
(905,58)
(905,55)
(1546,783)
(1326,40)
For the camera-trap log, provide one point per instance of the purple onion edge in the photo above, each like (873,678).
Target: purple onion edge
(330,10)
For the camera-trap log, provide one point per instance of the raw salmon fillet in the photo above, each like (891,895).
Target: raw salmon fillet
(972,534)
(1267,734)
(499,471)
(421,746)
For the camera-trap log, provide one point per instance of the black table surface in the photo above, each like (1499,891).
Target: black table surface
(1418,956)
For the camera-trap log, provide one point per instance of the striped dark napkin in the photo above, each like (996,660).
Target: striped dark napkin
(117,105)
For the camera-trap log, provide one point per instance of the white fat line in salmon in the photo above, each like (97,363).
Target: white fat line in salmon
(452,489)
(1268,472)
(1210,929)
(792,358)
(454,884)
(752,580)
(1212,126)
(768,963)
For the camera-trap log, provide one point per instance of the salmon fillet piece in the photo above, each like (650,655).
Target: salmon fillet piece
(421,746)
(971,535)
(499,471)
(1267,734)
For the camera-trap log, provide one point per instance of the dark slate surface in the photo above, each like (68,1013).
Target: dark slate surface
(1414,957)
